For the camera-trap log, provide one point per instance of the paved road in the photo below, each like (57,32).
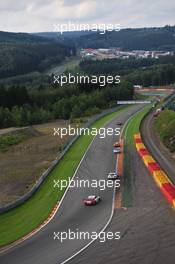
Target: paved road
(42,248)
(147,228)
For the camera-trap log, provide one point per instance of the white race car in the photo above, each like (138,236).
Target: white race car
(117,150)
(112,176)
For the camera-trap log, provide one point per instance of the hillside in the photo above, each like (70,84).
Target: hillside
(165,127)
(132,39)
(22,53)
(57,35)
(19,37)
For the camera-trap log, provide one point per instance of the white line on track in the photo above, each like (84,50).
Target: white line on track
(6,248)
(113,200)
(34,232)
(112,213)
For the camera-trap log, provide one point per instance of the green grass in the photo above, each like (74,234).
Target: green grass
(165,127)
(131,129)
(23,219)
(9,140)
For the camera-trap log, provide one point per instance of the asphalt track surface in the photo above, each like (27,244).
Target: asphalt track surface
(147,227)
(72,214)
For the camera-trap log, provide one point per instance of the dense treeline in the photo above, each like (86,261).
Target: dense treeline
(122,66)
(33,98)
(21,106)
(132,39)
(66,102)
(146,72)
(30,80)
(13,96)
(155,76)
(19,37)
(128,39)
(22,53)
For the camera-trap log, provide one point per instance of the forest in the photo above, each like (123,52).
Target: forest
(30,97)
(20,107)
(23,106)
(24,53)
(131,39)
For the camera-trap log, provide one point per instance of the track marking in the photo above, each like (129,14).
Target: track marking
(52,215)
(54,211)
(104,228)
(113,203)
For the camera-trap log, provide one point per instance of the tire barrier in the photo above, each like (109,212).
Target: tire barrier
(159,176)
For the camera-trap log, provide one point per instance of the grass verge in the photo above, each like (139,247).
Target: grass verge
(131,129)
(23,219)
(165,126)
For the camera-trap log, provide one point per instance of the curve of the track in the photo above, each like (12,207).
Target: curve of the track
(42,248)
(147,228)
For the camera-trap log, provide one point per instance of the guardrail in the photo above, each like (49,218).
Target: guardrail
(168,100)
(66,147)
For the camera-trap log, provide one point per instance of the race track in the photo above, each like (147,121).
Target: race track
(147,227)
(72,214)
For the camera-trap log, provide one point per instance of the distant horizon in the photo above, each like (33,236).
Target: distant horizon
(45,31)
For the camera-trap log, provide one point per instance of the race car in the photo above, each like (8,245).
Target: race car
(119,124)
(117,150)
(112,176)
(92,200)
(117,145)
